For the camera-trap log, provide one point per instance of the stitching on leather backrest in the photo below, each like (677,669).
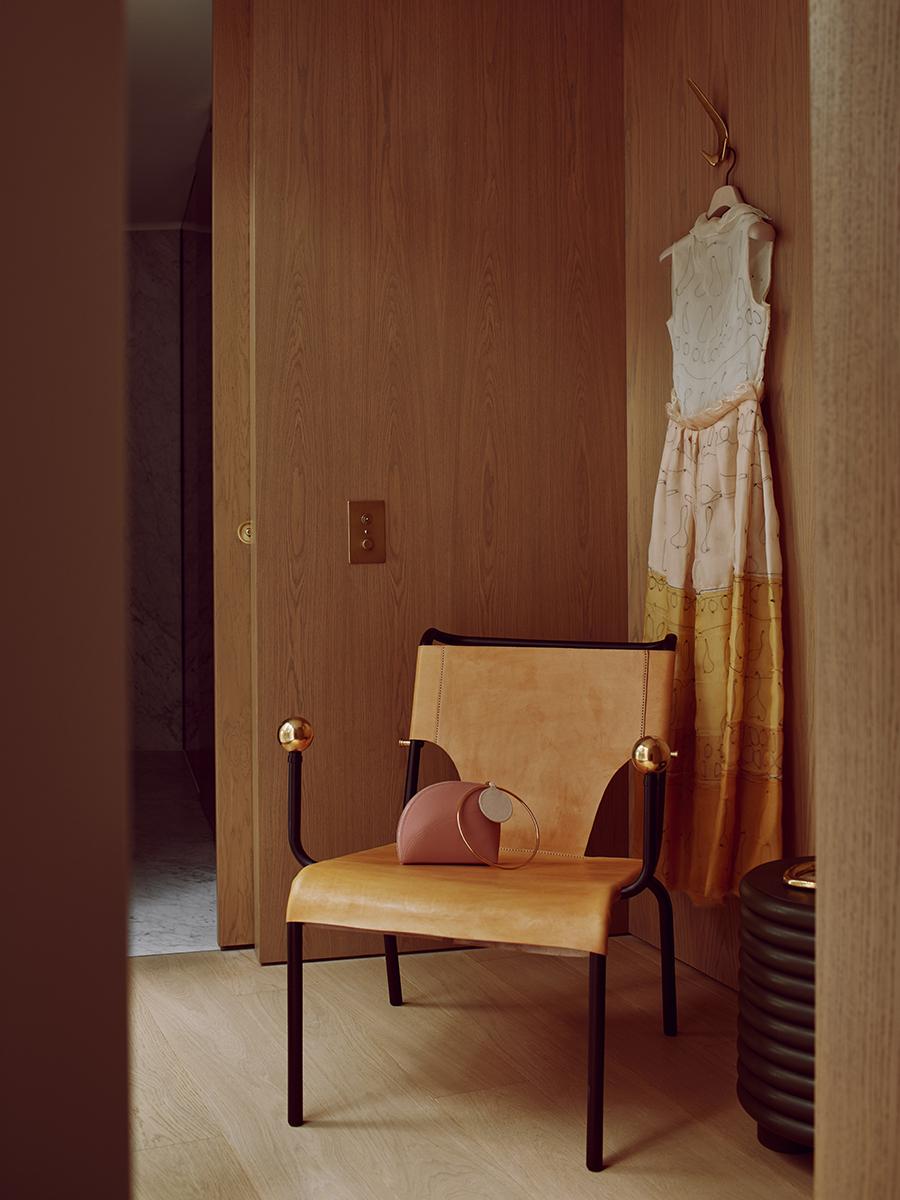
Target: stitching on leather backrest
(440,693)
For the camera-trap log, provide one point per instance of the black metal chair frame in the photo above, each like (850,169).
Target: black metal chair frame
(654,803)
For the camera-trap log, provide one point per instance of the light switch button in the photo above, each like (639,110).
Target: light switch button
(366,533)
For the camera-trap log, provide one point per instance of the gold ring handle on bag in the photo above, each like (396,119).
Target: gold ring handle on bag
(500,866)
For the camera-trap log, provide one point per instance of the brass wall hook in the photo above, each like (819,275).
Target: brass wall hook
(719,125)
(733,153)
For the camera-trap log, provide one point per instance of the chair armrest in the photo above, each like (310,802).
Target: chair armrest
(413,756)
(295,735)
(654,799)
(651,757)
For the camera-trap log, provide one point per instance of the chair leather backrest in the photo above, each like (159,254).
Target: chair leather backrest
(551,724)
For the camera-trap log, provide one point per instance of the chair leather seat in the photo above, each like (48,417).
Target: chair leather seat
(556,901)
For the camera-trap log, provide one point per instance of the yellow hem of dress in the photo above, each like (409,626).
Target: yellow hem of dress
(723,805)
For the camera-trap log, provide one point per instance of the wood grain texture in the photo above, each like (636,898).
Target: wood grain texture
(191,1171)
(231,468)
(753,62)
(437,322)
(855,142)
(475,1088)
(166,1107)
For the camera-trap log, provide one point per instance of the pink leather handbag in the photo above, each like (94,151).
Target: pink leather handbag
(458,822)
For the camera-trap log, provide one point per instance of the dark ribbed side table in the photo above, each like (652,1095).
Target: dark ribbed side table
(776,1031)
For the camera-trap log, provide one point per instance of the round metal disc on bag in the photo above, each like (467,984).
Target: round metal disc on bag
(495,804)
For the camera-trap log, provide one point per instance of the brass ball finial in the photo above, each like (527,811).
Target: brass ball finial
(650,755)
(295,733)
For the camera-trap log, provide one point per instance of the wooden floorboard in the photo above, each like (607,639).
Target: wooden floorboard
(166,1107)
(192,1171)
(474,1089)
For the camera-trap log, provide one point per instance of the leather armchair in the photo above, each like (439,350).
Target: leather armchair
(553,722)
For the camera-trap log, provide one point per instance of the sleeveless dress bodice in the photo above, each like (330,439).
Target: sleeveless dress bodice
(719,325)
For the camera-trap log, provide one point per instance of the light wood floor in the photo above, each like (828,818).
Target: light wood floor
(474,1089)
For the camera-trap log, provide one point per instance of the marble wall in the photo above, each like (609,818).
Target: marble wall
(154,463)
(197,519)
(197,493)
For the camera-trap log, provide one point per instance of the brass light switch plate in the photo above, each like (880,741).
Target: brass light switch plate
(366,532)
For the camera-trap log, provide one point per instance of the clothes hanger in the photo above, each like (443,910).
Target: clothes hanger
(727,196)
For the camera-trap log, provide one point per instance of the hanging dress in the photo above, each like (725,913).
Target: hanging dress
(715,565)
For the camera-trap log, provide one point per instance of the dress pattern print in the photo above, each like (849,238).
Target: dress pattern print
(715,575)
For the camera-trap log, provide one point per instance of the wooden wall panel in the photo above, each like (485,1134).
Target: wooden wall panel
(438,204)
(231,468)
(856,249)
(65,648)
(753,62)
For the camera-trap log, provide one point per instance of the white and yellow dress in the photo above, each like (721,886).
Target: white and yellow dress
(715,564)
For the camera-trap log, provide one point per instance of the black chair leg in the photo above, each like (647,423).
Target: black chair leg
(596,1052)
(295,1022)
(667,956)
(392,963)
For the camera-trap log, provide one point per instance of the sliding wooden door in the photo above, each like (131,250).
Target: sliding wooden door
(65,660)
(231,470)
(435,307)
